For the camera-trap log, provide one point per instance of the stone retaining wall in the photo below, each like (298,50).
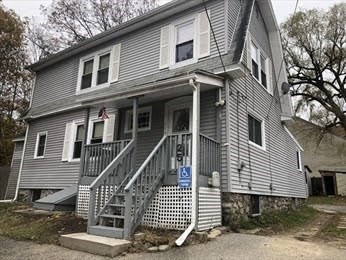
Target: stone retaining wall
(236,207)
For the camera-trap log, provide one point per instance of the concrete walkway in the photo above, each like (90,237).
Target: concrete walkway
(229,246)
(330,208)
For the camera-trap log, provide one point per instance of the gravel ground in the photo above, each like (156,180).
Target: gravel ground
(228,246)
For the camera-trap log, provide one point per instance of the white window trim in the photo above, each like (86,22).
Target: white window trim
(300,168)
(259,53)
(140,110)
(96,57)
(73,139)
(39,134)
(92,121)
(263,146)
(173,32)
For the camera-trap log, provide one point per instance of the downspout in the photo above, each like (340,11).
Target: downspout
(186,233)
(25,141)
(21,164)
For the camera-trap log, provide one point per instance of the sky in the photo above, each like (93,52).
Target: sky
(282,8)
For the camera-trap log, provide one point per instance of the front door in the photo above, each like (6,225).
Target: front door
(178,125)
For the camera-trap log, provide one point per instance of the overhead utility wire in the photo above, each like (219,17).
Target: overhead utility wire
(212,31)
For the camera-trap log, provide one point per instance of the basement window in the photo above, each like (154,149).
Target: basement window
(255,205)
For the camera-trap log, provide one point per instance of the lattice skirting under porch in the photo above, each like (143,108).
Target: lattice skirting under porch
(170,208)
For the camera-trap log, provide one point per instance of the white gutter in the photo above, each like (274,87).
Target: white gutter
(195,138)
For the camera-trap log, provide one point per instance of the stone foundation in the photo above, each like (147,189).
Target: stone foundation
(26,196)
(236,207)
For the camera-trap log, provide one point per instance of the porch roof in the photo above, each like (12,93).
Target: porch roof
(156,90)
(162,88)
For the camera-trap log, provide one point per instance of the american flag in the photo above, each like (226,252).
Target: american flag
(103,114)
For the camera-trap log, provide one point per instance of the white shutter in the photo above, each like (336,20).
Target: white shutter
(67,142)
(165,47)
(270,76)
(203,35)
(248,52)
(115,62)
(108,133)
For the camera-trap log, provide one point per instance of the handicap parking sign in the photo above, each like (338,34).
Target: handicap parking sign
(184,177)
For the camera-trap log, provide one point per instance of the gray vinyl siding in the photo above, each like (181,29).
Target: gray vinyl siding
(56,82)
(49,172)
(140,55)
(275,166)
(15,166)
(147,140)
(259,31)
(233,14)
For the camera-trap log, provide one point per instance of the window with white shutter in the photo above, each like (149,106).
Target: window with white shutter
(259,65)
(185,41)
(67,142)
(97,70)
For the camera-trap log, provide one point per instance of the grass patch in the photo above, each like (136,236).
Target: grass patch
(37,228)
(331,230)
(338,200)
(281,220)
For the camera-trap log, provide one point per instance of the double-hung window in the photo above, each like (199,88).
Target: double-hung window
(255,129)
(185,41)
(41,141)
(78,141)
(99,69)
(184,45)
(103,69)
(97,132)
(260,66)
(87,74)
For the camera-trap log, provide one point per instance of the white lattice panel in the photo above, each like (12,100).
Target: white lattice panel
(209,208)
(83,201)
(84,197)
(171,209)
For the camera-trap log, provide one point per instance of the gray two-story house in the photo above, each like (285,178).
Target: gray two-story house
(157,119)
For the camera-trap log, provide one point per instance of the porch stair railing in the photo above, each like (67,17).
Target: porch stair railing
(119,197)
(98,156)
(209,159)
(106,207)
(143,186)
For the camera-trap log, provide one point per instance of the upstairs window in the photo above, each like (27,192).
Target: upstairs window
(255,131)
(299,164)
(254,58)
(97,132)
(184,41)
(77,148)
(87,74)
(40,144)
(103,70)
(99,69)
(260,65)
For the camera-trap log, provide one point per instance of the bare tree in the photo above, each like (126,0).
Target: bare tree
(71,21)
(315,53)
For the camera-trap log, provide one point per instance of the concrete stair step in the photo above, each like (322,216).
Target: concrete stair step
(106,231)
(98,245)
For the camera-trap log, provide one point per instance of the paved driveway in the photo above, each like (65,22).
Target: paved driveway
(229,246)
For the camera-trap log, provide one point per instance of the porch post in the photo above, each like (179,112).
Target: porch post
(134,129)
(86,127)
(195,151)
